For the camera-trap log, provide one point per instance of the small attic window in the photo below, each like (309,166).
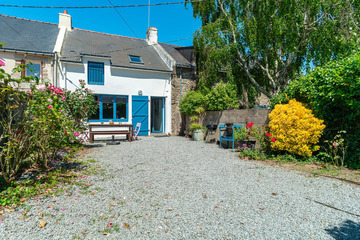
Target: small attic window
(135,59)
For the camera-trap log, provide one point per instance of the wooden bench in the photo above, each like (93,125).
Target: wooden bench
(128,133)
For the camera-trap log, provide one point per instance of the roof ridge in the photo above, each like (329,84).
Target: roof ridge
(31,20)
(108,34)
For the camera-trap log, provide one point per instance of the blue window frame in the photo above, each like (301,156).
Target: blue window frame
(95,73)
(111,107)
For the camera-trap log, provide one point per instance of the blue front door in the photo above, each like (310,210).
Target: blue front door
(140,113)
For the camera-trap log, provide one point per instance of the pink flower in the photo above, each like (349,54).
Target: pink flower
(273,139)
(63,98)
(28,91)
(110,224)
(41,88)
(335,144)
(50,107)
(86,89)
(50,100)
(51,88)
(76,134)
(2,63)
(269,134)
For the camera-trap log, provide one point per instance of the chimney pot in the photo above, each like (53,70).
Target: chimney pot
(65,12)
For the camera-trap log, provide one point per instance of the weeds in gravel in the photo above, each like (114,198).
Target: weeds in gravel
(49,183)
(310,165)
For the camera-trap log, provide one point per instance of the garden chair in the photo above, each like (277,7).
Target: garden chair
(226,136)
(136,131)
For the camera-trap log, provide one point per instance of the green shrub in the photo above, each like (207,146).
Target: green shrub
(191,101)
(241,134)
(222,97)
(333,93)
(37,123)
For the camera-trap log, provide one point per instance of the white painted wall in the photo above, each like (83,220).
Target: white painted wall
(121,81)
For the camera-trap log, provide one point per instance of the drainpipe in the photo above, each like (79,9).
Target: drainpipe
(180,84)
(55,70)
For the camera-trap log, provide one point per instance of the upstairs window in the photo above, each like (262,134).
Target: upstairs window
(95,73)
(33,70)
(135,59)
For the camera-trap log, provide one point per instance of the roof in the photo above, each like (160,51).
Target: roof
(27,35)
(80,43)
(176,55)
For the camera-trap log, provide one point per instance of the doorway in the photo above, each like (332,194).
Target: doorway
(157,115)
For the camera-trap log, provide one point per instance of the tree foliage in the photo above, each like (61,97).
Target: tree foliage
(333,93)
(264,44)
(221,97)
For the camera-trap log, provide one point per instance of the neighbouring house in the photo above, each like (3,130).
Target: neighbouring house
(134,80)
(29,42)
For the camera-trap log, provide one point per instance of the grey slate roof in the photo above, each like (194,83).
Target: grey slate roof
(27,35)
(176,55)
(80,42)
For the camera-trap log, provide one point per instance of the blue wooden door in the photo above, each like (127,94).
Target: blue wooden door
(140,113)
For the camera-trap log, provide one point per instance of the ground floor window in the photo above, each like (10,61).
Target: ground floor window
(114,108)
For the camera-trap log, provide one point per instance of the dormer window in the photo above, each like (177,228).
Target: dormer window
(135,59)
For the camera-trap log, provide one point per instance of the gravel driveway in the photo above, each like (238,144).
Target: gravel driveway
(174,188)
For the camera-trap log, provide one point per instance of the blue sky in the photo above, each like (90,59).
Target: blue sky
(172,21)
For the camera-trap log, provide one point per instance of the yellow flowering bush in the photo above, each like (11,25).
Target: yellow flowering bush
(295,129)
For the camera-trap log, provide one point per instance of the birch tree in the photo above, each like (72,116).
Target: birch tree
(263,44)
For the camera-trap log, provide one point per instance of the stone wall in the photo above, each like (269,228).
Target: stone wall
(188,82)
(12,60)
(239,117)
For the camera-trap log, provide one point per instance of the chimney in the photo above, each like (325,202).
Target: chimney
(152,35)
(65,20)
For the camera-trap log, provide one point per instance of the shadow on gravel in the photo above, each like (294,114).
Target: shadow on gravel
(96,145)
(348,230)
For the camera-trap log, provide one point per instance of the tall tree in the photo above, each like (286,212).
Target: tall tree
(262,44)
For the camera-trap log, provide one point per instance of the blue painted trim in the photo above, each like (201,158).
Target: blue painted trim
(140,104)
(162,114)
(96,73)
(114,112)
(228,137)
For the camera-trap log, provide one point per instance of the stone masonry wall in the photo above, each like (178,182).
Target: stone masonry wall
(238,117)
(189,82)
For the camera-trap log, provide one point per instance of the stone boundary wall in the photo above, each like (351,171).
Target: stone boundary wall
(239,117)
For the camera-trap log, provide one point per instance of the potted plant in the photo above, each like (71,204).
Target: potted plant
(196,125)
(242,135)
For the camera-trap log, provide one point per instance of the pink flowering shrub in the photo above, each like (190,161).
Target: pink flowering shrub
(44,119)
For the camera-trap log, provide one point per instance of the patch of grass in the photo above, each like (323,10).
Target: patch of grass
(310,165)
(45,184)
(50,183)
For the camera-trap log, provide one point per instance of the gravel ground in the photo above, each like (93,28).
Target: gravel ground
(174,188)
